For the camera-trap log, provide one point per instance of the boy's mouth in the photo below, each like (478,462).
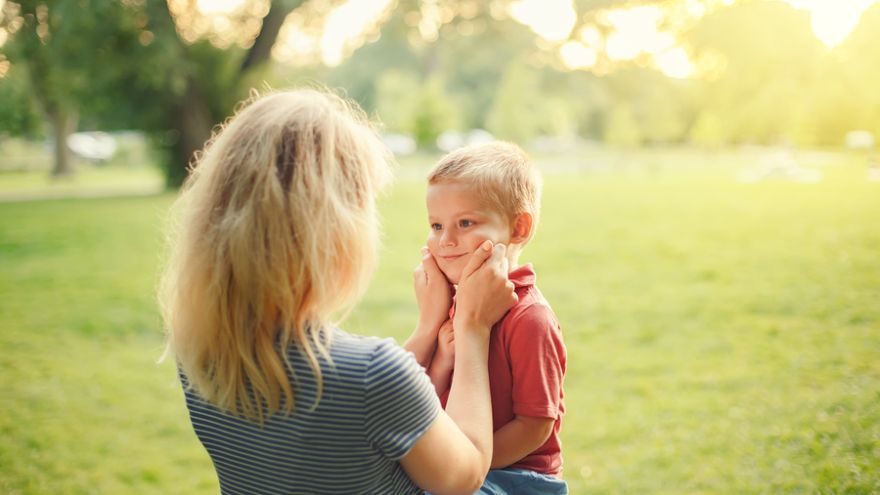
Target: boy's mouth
(451,257)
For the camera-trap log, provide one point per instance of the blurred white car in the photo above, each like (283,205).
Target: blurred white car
(780,165)
(399,144)
(95,146)
(450,140)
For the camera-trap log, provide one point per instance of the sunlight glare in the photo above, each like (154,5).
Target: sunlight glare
(552,20)
(833,20)
(576,55)
(675,63)
(636,32)
(211,7)
(346,23)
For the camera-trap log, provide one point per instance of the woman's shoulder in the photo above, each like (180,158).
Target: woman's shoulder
(372,351)
(343,341)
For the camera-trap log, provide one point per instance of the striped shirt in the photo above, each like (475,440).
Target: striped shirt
(377,402)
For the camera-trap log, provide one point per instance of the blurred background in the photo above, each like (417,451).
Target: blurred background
(709,235)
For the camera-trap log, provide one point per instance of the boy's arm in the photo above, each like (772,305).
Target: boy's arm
(441,376)
(440,369)
(422,343)
(434,297)
(517,439)
(538,361)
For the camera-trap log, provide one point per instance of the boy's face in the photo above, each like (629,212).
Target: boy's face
(460,222)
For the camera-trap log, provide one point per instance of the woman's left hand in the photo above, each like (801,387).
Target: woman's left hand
(433,292)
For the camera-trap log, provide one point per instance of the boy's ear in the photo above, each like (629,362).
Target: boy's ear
(522,228)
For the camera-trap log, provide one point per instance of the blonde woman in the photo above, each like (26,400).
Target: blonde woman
(276,233)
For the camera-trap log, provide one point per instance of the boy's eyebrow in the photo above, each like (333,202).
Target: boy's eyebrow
(463,213)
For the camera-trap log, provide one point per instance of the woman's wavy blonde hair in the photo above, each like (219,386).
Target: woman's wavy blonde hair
(276,231)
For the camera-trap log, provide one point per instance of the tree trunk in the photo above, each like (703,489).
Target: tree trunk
(192,124)
(192,120)
(262,47)
(64,122)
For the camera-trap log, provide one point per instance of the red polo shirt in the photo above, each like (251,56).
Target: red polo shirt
(526,367)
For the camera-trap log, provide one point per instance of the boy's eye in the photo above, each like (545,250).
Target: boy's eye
(436,226)
(465,223)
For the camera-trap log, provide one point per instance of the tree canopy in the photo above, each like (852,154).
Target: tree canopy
(164,67)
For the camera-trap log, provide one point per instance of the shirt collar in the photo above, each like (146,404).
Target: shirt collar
(523,276)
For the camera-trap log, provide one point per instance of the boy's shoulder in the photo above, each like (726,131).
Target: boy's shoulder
(532,311)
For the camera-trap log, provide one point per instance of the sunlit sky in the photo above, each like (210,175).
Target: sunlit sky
(635,31)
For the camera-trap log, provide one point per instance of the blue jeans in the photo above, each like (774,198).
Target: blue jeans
(522,482)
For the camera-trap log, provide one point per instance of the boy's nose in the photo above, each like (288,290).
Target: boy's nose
(447,239)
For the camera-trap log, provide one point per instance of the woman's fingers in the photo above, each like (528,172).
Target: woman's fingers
(430,265)
(478,258)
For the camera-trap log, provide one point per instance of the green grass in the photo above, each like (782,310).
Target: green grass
(722,337)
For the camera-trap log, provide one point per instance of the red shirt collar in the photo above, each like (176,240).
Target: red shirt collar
(523,276)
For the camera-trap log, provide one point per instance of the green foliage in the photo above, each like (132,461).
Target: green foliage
(621,128)
(708,130)
(722,338)
(763,77)
(436,111)
(513,110)
(397,99)
(19,115)
(860,75)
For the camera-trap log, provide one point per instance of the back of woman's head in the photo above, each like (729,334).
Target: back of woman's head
(276,232)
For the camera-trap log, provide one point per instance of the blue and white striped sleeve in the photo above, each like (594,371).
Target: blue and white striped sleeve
(400,400)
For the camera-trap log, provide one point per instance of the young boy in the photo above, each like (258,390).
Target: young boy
(492,191)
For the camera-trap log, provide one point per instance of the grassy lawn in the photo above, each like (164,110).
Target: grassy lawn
(722,337)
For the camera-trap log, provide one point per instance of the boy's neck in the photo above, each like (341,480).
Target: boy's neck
(513,259)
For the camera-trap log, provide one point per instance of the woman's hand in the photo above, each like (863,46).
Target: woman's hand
(434,297)
(433,292)
(484,295)
(484,292)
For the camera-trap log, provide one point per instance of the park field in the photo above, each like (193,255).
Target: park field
(722,337)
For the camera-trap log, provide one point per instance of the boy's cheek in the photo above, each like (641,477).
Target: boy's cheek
(490,233)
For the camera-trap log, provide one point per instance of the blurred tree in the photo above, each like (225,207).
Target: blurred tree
(514,112)
(621,128)
(53,55)
(708,130)
(19,114)
(757,58)
(858,80)
(461,41)
(422,109)
(435,112)
(149,76)
(397,99)
(201,80)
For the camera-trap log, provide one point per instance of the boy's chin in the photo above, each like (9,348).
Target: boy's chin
(453,278)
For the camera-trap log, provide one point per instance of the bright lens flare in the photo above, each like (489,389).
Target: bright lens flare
(551,20)
(210,7)
(833,20)
(346,23)
(576,55)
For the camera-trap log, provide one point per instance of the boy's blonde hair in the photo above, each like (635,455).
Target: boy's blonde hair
(502,173)
(276,232)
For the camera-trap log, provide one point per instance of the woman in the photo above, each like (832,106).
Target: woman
(277,232)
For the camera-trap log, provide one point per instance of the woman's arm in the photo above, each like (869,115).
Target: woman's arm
(454,455)
(434,297)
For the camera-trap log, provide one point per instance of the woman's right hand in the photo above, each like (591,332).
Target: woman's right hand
(484,291)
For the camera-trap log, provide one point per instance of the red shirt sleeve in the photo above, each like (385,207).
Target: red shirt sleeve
(537,359)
